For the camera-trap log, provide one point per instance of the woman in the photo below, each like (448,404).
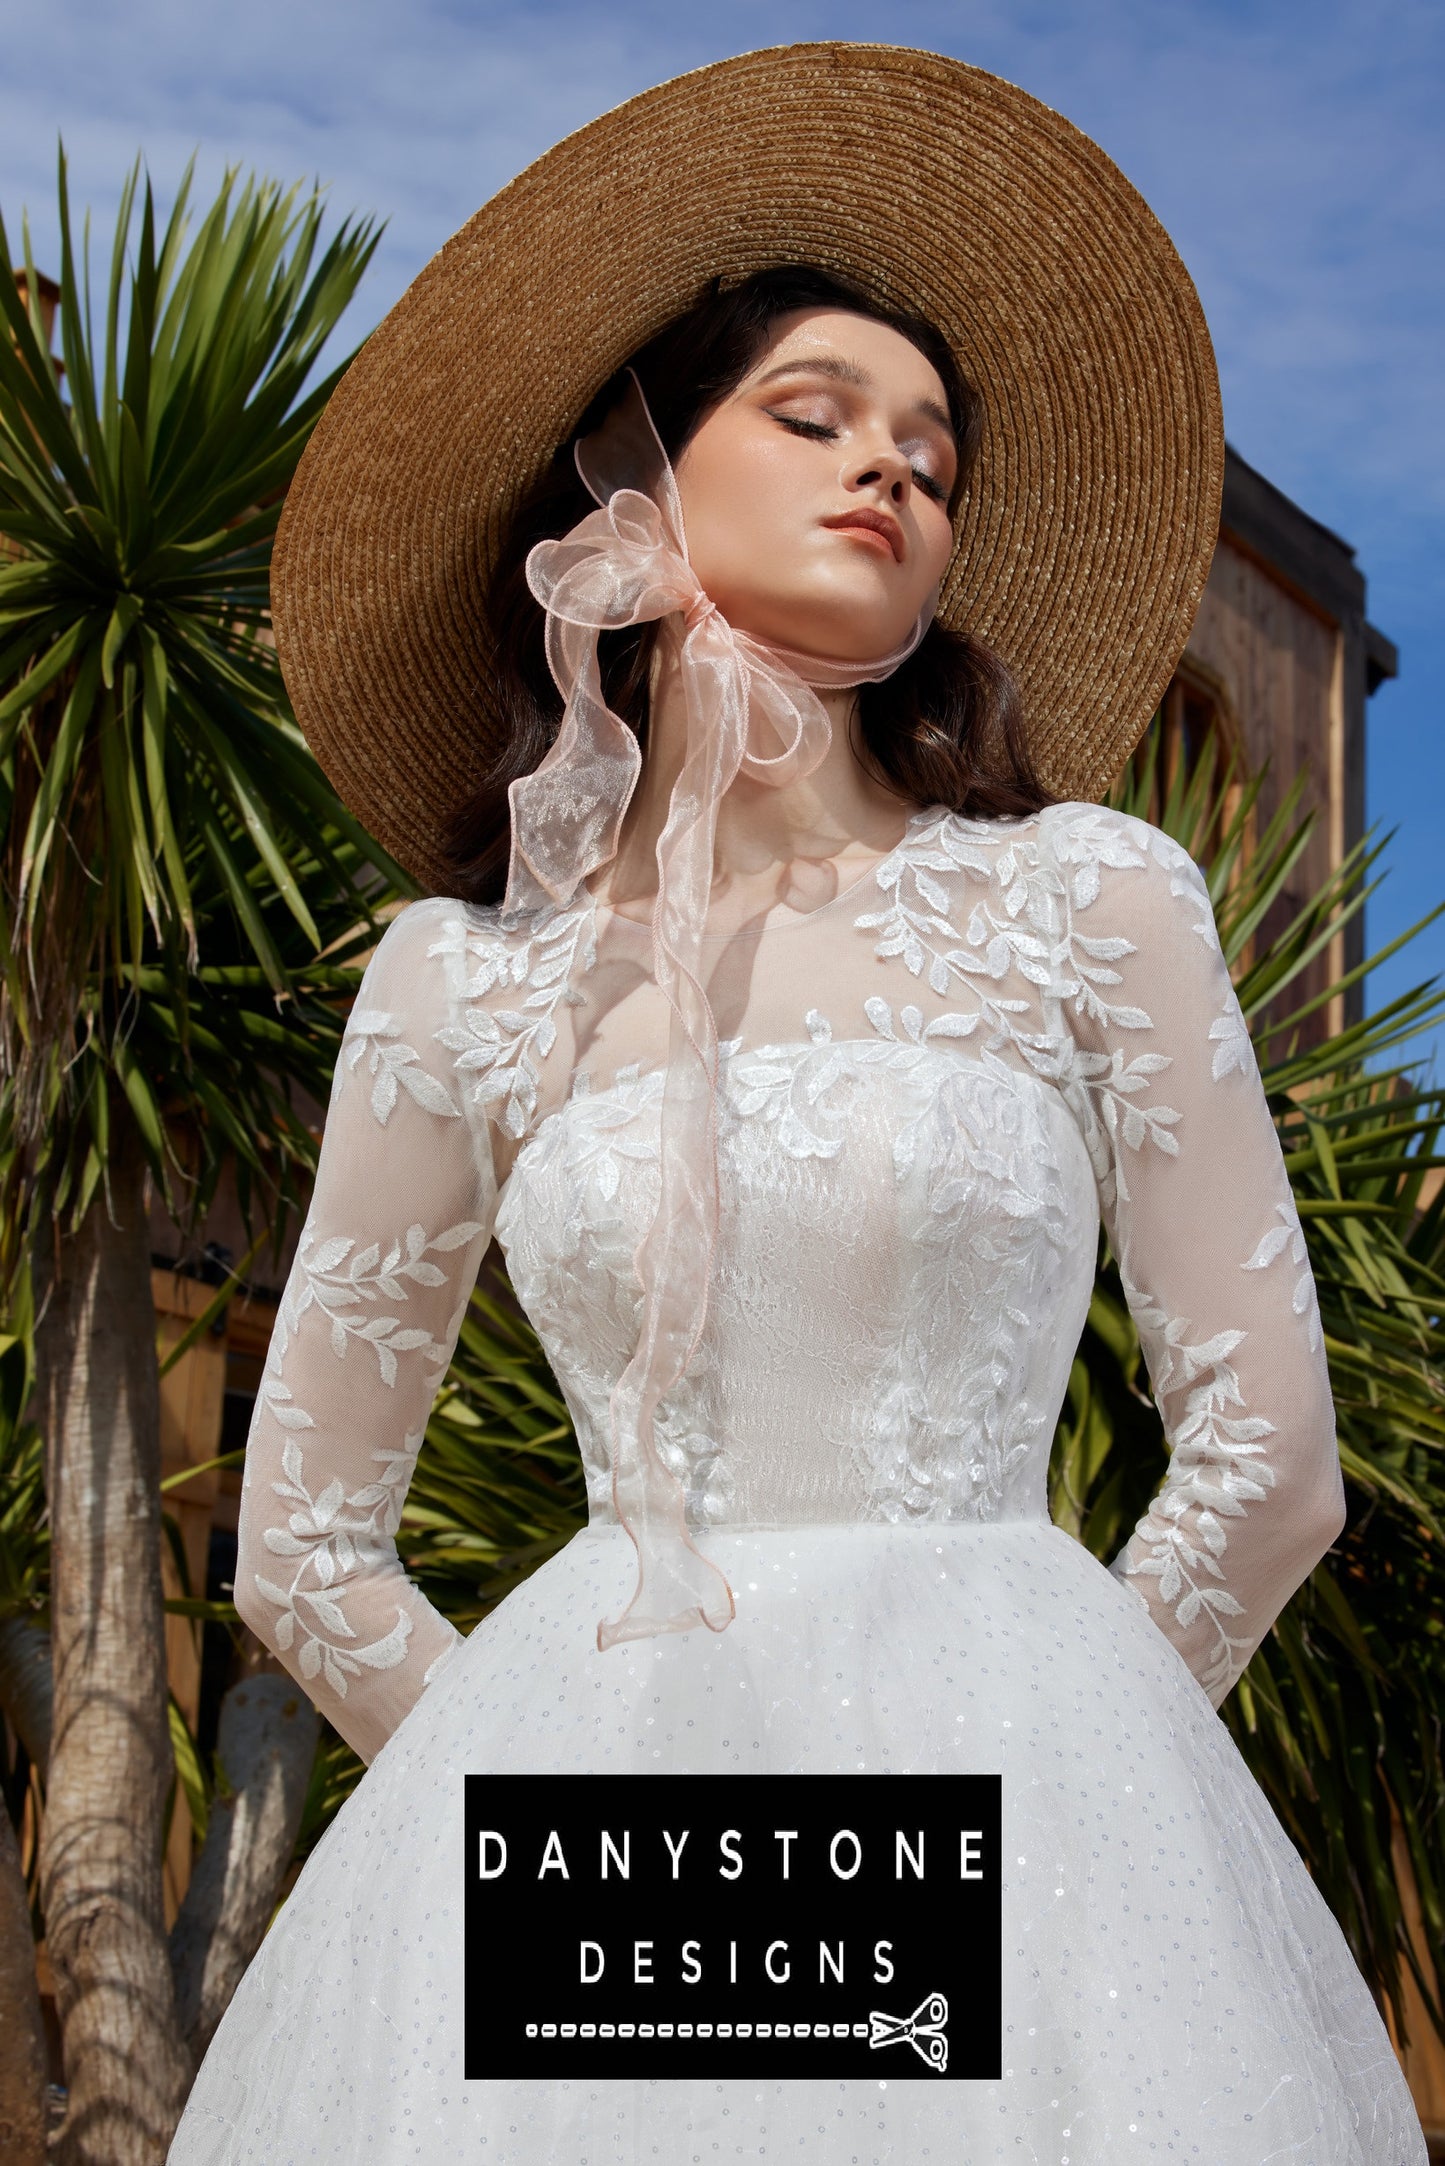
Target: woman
(792,1070)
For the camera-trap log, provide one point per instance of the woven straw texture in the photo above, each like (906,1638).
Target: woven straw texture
(1091,517)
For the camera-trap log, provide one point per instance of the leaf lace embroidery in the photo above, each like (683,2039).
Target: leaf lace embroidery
(374,1035)
(1288,1237)
(1216,1469)
(1022,927)
(331,1536)
(498,1050)
(1026,927)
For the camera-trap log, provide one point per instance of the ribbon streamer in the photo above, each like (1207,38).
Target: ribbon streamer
(627,563)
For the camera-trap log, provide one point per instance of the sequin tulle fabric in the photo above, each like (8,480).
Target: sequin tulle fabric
(930,1086)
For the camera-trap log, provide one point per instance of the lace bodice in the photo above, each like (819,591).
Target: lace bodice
(930,1088)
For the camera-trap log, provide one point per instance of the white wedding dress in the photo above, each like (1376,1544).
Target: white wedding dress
(930,1085)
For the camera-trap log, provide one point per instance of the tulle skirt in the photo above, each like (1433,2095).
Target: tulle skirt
(1174,1986)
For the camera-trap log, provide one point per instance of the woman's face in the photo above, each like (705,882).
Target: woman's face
(815,495)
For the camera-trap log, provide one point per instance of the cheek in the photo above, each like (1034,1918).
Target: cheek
(745,503)
(936,530)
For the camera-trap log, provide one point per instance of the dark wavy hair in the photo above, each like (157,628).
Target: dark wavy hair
(946,728)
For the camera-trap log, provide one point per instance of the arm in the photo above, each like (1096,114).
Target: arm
(400,1216)
(1200,1214)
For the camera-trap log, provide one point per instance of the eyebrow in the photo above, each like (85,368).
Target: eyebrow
(848,372)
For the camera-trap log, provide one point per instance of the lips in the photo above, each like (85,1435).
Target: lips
(871,522)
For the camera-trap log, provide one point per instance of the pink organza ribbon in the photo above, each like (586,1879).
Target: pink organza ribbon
(627,563)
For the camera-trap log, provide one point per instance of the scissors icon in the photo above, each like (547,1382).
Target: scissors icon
(923,2030)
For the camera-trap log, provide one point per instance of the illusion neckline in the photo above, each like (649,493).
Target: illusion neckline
(793,918)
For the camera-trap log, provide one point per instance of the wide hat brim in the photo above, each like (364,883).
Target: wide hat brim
(1086,534)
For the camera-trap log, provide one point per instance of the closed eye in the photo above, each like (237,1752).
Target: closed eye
(821,432)
(799,427)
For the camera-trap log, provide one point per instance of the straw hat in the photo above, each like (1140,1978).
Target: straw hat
(1091,516)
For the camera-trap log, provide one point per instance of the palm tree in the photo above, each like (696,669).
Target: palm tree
(181,897)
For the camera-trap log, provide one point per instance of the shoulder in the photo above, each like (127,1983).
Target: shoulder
(1075,851)
(407,966)
(462,948)
(435,919)
(1103,891)
(414,930)
(1126,870)
(1078,833)
(1073,833)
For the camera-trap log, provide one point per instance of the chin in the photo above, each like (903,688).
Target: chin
(848,635)
(844,628)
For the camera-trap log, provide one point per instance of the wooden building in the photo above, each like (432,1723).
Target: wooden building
(1279,667)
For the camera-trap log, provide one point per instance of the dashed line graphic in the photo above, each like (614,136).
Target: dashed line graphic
(923,2030)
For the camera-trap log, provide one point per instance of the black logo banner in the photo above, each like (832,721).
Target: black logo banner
(759,1925)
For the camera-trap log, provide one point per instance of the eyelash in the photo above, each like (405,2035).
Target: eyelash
(821,433)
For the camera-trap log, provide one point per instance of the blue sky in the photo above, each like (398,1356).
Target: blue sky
(1295,152)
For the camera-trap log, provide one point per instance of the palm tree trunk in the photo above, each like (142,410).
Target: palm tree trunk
(266,1746)
(22,2033)
(127,2070)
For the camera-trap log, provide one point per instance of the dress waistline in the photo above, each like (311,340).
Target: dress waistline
(917,1530)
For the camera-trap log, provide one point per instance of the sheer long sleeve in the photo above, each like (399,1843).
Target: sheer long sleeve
(401,1213)
(1199,1210)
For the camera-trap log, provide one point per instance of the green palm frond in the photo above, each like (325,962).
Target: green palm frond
(175,862)
(499,1488)
(24,1528)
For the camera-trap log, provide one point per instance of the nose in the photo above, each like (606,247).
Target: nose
(880,465)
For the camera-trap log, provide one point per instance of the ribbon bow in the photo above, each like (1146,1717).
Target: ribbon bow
(923,2030)
(627,563)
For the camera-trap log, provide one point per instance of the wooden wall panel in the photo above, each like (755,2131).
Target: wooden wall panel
(1276,664)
